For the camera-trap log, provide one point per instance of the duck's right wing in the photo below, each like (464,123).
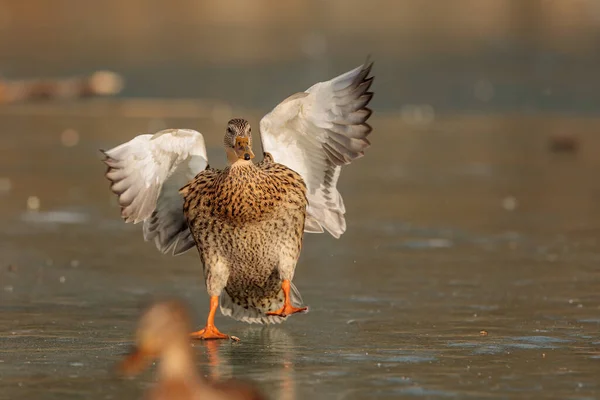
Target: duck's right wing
(316,133)
(146,174)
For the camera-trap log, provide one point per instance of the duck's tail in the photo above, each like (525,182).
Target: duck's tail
(253,310)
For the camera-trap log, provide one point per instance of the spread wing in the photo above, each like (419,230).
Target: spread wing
(315,133)
(146,174)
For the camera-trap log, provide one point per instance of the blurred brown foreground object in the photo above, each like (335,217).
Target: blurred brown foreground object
(163,333)
(100,83)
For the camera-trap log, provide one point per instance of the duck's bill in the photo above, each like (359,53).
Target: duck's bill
(242,149)
(134,362)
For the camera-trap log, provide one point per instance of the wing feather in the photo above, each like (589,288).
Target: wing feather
(315,133)
(146,174)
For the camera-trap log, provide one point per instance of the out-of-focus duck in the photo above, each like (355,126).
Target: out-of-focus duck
(248,219)
(163,333)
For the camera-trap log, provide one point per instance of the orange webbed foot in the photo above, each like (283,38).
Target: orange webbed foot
(288,309)
(210,333)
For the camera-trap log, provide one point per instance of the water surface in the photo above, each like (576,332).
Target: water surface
(457,226)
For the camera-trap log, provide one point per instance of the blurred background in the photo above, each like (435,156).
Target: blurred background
(492,55)
(469,267)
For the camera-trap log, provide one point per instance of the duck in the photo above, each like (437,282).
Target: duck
(163,333)
(247,220)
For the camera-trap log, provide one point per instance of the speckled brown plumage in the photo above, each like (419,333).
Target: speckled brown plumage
(248,221)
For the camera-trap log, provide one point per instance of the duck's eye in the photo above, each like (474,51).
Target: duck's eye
(229,130)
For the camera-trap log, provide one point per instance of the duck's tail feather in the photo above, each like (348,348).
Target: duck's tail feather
(253,311)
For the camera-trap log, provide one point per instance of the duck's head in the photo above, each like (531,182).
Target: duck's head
(163,327)
(238,141)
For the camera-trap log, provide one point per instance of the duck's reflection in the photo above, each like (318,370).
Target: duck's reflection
(266,355)
(214,360)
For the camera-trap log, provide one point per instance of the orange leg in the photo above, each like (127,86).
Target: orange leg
(211,331)
(288,308)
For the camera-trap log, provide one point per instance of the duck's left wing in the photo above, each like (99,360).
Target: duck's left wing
(146,174)
(315,133)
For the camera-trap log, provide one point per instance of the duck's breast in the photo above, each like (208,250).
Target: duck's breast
(249,217)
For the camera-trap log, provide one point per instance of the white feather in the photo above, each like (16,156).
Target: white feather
(147,172)
(315,133)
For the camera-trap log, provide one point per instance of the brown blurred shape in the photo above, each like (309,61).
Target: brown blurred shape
(563,142)
(100,83)
(163,333)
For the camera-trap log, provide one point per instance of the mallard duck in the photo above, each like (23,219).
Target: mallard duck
(247,220)
(163,332)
